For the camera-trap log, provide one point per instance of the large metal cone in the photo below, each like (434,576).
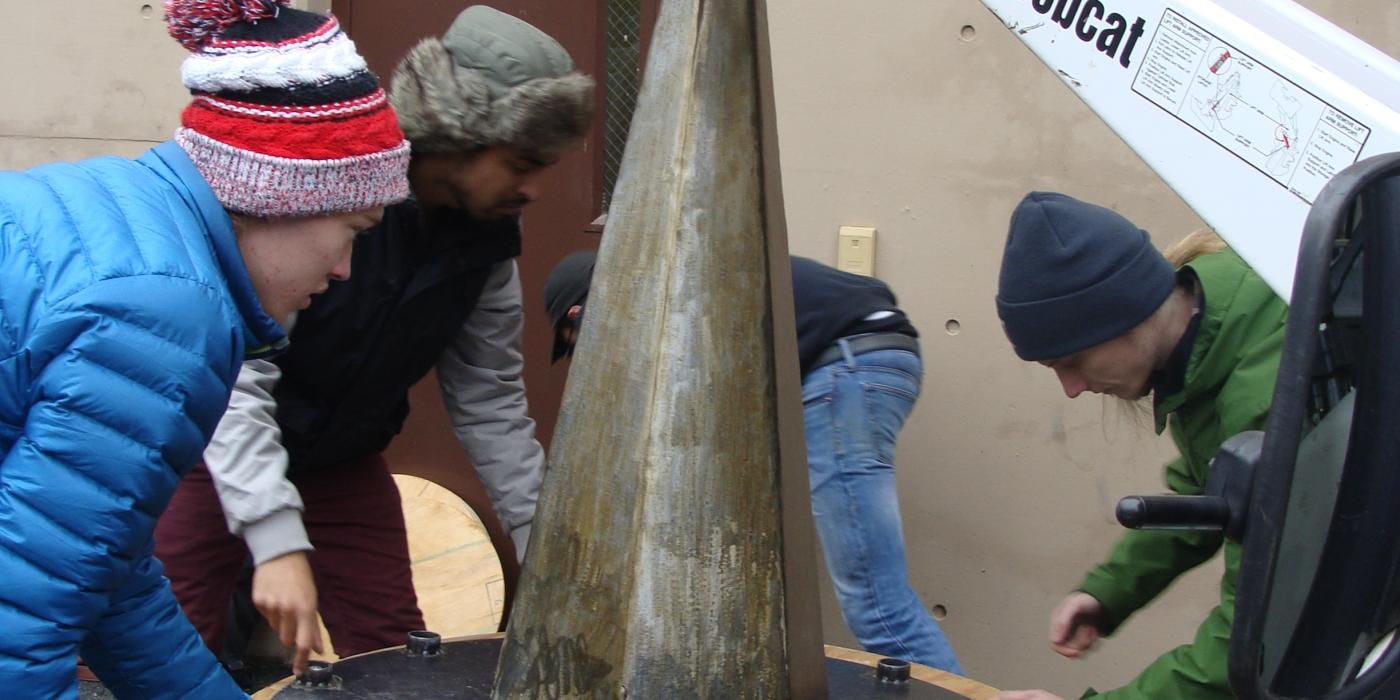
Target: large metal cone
(655,567)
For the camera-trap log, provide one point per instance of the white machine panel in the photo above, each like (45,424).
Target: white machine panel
(1245,107)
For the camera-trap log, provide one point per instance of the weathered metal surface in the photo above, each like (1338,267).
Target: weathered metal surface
(806,668)
(655,567)
(463,672)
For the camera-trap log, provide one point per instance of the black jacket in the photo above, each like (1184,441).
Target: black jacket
(831,304)
(361,346)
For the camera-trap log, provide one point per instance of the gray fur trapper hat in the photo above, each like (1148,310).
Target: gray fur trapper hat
(491,80)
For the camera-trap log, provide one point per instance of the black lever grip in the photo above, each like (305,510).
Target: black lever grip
(1174,512)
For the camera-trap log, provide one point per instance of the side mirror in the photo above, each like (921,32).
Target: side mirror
(1319,590)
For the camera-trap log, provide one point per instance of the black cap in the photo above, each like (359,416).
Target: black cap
(318,674)
(892,671)
(1075,275)
(423,643)
(566,287)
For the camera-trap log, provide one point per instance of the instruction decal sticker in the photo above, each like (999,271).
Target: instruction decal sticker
(1264,119)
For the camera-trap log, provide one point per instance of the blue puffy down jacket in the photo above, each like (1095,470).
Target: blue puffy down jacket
(125,309)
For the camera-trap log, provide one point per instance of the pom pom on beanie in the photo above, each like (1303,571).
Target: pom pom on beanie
(194,23)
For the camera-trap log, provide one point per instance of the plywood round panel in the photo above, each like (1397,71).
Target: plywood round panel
(456,572)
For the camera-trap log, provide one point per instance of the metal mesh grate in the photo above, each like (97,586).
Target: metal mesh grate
(624,77)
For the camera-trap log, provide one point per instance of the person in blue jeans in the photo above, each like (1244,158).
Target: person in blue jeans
(861,374)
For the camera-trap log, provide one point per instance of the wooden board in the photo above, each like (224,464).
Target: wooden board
(380,675)
(957,684)
(456,572)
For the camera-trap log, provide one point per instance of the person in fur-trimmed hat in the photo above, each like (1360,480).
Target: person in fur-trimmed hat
(487,107)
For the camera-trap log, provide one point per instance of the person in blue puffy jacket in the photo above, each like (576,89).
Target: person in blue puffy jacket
(130,293)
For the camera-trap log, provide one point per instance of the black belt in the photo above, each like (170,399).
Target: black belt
(867,342)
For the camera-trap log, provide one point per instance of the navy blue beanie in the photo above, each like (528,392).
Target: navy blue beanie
(1075,275)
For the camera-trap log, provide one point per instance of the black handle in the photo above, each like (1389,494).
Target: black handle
(1174,513)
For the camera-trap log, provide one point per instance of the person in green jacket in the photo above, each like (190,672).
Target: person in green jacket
(1083,292)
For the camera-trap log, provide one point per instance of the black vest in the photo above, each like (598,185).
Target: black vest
(358,349)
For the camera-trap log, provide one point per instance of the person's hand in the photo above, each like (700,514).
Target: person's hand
(1026,695)
(285,594)
(1076,624)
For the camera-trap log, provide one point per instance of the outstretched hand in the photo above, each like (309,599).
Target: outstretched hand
(1076,624)
(285,593)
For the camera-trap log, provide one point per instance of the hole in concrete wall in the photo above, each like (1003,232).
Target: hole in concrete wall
(952,326)
(968,32)
(147,11)
(940,612)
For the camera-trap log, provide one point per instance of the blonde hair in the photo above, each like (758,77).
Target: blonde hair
(1197,243)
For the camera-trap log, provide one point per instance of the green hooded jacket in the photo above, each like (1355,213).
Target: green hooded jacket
(1228,389)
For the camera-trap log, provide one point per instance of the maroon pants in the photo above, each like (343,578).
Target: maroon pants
(361,567)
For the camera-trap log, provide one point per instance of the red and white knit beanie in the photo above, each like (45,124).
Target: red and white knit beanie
(287,120)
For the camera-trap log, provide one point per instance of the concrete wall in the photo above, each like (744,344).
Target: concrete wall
(88,77)
(99,76)
(925,119)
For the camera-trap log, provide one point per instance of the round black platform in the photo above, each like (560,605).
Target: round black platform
(465,668)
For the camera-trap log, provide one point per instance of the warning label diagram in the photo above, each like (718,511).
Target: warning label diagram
(1263,118)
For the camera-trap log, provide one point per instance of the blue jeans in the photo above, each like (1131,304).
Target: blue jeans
(853,409)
